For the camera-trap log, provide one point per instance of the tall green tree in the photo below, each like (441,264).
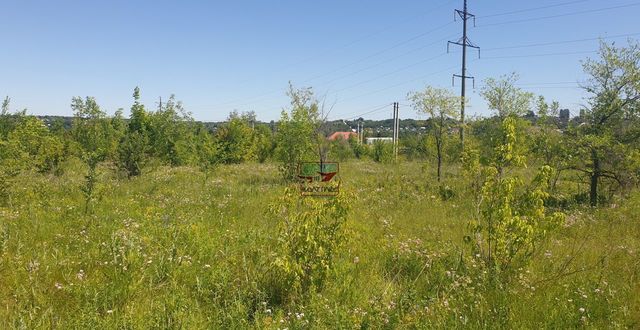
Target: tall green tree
(442,107)
(610,132)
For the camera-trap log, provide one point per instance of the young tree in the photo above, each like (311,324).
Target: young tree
(505,98)
(134,143)
(548,140)
(264,143)
(611,129)
(442,107)
(92,131)
(236,139)
(207,151)
(511,218)
(507,101)
(96,140)
(170,130)
(297,135)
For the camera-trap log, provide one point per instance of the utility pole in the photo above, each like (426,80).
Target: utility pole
(396,128)
(464,42)
(160,103)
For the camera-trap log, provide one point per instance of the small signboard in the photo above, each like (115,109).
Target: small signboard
(319,178)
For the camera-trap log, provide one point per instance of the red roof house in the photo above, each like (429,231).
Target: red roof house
(342,135)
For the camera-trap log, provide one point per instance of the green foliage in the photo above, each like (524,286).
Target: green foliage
(416,147)
(7,120)
(341,150)
(310,231)
(208,152)
(236,140)
(297,132)
(170,132)
(382,152)
(96,139)
(132,153)
(442,107)
(264,143)
(89,186)
(31,146)
(611,120)
(511,221)
(505,98)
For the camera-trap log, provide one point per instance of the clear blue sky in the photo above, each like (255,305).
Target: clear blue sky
(217,56)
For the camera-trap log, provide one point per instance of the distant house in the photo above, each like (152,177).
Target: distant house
(342,135)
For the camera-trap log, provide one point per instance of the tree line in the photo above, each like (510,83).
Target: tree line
(602,147)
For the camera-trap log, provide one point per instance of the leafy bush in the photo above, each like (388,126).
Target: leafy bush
(132,153)
(511,222)
(310,231)
(382,152)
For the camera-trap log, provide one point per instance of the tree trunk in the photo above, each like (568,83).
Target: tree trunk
(595,178)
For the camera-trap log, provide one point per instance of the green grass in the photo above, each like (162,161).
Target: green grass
(168,250)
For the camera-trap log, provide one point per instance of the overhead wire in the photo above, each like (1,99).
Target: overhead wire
(488,49)
(406,41)
(635,4)
(520,11)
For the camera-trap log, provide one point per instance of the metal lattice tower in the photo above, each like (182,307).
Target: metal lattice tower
(464,42)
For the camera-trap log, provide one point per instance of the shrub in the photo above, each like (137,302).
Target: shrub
(310,231)
(382,152)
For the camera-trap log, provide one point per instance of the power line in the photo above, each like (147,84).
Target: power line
(539,55)
(351,43)
(387,61)
(375,110)
(380,52)
(562,15)
(534,9)
(390,73)
(402,83)
(561,42)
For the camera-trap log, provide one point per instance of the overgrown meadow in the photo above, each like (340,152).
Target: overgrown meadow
(526,219)
(169,250)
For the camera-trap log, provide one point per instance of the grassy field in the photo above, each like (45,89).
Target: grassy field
(171,250)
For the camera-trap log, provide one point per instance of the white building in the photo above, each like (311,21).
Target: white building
(381,139)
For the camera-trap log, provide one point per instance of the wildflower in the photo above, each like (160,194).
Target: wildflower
(582,310)
(356,260)
(80,275)
(58,286)
(110,311)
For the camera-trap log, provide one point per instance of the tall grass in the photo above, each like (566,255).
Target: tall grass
(165,250)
